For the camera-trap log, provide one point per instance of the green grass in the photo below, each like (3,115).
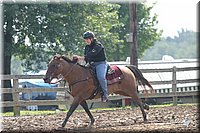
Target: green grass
(28,113)
(49,112)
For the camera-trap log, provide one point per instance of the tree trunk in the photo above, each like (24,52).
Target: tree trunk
(7,51)
(6,71)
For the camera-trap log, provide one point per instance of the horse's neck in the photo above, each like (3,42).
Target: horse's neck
(73,72)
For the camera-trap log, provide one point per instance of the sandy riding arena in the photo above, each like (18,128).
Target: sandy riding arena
(182,118)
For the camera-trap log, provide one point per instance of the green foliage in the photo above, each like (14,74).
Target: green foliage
(101,18)
(147,32)
(29,113)
(182,46)
(41,30)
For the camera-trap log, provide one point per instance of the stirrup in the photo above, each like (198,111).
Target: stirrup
(111,71)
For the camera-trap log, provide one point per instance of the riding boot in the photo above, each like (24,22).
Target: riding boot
(104,97)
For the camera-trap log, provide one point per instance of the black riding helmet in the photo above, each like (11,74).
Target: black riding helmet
(88,34)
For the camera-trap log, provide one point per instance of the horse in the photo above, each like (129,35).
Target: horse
(82,84)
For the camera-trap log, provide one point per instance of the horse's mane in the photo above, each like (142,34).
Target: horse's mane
(68,59)
(58,56)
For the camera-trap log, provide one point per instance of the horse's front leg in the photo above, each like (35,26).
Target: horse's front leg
(85,107)
(74,105)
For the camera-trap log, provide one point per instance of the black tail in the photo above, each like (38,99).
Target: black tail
(138,74)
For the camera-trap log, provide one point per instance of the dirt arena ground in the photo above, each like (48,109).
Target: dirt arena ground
(161,119)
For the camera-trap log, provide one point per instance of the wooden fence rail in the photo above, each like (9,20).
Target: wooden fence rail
(17,103)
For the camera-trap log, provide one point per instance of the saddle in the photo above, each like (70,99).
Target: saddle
(113,75)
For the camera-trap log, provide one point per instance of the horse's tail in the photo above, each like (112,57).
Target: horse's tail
(139,76)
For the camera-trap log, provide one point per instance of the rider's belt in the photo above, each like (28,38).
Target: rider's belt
(96,62)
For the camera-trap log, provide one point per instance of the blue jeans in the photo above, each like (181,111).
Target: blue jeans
(101,69)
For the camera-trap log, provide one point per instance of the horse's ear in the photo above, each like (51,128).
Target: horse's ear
(57,57)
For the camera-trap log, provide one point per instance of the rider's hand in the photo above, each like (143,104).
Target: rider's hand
(87,65)
(78,57)
(75,58)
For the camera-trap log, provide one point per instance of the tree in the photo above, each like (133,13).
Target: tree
(147,31)
(102,21)
(175,47)
(36,32)
(56,28)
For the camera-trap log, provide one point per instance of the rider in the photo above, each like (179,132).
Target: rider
(94,54)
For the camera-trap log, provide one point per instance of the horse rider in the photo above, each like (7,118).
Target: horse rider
(94,54)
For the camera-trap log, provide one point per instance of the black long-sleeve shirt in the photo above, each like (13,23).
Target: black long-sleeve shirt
(94,52)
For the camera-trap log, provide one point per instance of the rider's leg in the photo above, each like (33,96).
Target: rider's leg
(101,70)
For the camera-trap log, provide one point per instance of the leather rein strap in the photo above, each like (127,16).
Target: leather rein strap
(77,81)
(81,80)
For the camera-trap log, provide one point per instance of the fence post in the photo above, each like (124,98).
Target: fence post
(174,85)
(16,108)
(123,102)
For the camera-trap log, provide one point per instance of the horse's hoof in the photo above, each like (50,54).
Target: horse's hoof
(90,125)
(60,128)
(63,124)
(146,121)
(146,106)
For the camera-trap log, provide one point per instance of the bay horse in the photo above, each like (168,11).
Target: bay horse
(82,84)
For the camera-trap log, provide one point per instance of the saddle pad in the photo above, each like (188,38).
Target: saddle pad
(117,73)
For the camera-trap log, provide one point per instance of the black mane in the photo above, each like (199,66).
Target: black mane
(72,61)
(68,59)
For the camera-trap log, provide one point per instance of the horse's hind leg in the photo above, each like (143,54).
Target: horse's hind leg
(85,107)
(138,101)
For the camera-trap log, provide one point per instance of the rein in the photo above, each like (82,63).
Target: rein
(82,80)
(71,69)
(77,81)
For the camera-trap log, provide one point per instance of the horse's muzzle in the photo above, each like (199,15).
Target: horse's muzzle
(47,79)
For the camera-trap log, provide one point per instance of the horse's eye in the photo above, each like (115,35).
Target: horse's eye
(52,65)
(55,66)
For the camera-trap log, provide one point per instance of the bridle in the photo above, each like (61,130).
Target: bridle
(66,74)
(74,82)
